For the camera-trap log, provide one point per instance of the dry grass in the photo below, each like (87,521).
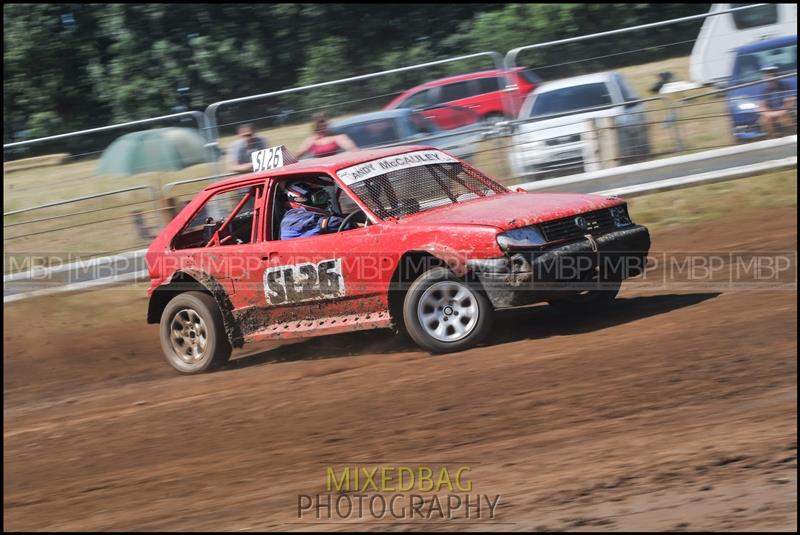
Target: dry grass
(715,201)
(708,127)
(36,161)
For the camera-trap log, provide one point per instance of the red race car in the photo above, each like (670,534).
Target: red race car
(416,239)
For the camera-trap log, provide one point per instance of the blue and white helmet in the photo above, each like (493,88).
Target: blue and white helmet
(298,193)
(305,195)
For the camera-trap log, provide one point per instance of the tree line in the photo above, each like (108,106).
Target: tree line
(75,66)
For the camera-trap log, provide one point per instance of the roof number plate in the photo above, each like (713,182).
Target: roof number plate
(270,158)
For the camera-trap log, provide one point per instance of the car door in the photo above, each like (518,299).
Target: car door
(420,99)
(446,115)
(322,280)
(488,97)
(427,101)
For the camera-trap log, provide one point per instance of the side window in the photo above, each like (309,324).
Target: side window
(456,91)
(328,199)
(417,100)
(755,16)
(227,218)
(489,85)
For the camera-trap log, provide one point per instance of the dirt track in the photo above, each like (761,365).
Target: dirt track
(674,410)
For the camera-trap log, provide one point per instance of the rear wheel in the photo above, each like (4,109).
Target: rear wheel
(443,313)
(193,334)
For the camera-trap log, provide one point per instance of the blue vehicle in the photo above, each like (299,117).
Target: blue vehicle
(402,126)
(744,102)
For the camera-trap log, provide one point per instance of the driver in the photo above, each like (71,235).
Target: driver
(310,213)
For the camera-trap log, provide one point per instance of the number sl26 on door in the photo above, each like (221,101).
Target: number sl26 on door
(425,244)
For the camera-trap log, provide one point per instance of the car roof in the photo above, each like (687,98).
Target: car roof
(767,43)
(600,77)
(329,164)
(462,77)
(373,116)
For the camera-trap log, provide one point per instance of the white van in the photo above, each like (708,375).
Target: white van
(713,52)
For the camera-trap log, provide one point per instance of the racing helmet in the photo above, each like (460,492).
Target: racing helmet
(303,195)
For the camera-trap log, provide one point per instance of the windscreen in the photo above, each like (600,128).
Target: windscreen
(569,99)
(416,181)
(748,66)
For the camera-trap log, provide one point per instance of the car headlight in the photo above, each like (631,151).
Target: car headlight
(521,237)
(620,216)
(747,106)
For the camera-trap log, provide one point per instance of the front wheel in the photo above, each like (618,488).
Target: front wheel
(443,313)
(193,334)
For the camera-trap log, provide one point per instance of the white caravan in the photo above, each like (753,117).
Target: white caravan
(713,52)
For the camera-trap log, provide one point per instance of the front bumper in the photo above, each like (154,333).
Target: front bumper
(747,128)
(529,276)
(544,161)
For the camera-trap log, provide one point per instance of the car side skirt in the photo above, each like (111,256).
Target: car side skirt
(307,328)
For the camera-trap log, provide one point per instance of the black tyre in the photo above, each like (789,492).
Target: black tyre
(193,334)
(443,313)
(588,300)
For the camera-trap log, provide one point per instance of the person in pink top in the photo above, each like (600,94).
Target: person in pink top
(323,142)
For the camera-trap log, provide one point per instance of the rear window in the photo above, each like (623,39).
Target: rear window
(489,85)
(755,16)
(372,133)
(413,185)
(530,77)
(569,99)
(234,208)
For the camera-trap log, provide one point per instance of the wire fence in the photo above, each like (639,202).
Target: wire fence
(637,123)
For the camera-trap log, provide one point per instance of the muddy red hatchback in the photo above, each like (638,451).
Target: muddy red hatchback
(429,245)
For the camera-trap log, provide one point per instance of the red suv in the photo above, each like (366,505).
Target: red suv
(481,92)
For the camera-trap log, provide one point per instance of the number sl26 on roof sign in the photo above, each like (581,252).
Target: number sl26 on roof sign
(271,158)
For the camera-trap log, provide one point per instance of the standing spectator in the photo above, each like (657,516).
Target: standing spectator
(239,153)
(776,105)
(322,142)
